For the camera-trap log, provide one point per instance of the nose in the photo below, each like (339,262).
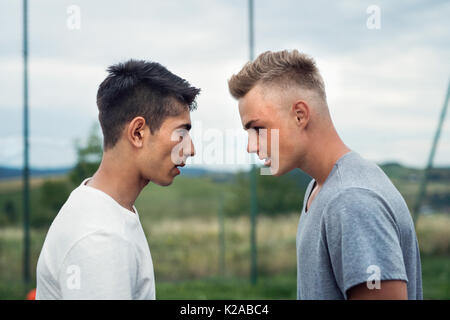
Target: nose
(188,149)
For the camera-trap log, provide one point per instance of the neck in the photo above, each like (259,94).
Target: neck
(119,180)
(322,156)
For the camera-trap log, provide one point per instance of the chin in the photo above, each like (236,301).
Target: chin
(164,183)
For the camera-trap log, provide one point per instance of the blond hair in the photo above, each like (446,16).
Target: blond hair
(283,67)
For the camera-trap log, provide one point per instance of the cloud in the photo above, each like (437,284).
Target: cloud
(385,87)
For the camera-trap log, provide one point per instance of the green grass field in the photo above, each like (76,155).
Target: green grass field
(436,285)
(435,270)
(186,259)
(184,240)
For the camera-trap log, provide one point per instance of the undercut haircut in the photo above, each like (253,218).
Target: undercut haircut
(284,68)
(141,88)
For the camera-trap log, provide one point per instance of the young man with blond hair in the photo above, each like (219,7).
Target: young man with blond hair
(355,238)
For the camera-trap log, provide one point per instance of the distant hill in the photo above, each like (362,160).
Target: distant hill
(14,173)
(11,173)
(393,169)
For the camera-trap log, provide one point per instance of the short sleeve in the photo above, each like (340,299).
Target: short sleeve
(99,266)
(362,239)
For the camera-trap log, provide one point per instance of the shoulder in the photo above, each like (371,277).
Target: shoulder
(354,171)
(99,240)
(354,195)
(98,246)
(360,211)
(356,202)
(83,219)
(86,211)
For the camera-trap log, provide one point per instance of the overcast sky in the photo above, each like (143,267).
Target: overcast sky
(385,86)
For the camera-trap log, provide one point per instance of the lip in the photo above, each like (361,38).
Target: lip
(178,166)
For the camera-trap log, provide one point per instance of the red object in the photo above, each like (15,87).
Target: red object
(31,295)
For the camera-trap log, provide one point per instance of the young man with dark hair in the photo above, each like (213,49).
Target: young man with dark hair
(96,247)
(356,238)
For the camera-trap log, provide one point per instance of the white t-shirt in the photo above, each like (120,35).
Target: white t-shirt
(95,249)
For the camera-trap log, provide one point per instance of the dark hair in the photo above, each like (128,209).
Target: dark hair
(140,88)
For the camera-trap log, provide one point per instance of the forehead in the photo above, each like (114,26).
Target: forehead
(255,105)
(184,117)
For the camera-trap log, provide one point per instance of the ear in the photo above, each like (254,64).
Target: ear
(301,112)
(135,132)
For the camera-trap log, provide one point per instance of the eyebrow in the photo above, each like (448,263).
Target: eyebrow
(249,123)
(186,126)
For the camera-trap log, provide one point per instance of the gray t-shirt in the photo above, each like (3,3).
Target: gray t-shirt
(358,229)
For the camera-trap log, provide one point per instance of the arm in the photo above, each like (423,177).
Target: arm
(389,290)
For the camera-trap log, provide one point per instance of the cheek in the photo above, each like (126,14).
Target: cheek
(158,156)
(162,148)
(174,152)
(274,142)
(287,146)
